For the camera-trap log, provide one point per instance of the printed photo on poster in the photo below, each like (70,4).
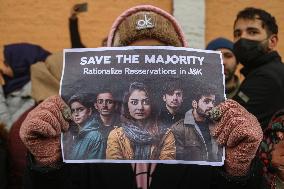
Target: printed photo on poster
(141,104)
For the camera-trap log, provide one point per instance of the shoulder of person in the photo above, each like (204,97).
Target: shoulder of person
(178,126)
(117,131)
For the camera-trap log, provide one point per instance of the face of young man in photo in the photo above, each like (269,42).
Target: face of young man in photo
(229,62)
(79,112)
(139,105)
(174,100)
(204,105)
(105,104)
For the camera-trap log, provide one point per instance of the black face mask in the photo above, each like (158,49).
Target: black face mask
(247,51)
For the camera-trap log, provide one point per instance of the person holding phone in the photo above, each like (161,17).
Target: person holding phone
(73,25)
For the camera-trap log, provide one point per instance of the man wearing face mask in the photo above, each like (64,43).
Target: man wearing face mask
(255,37)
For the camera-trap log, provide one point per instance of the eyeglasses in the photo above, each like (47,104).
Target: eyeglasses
(105,101)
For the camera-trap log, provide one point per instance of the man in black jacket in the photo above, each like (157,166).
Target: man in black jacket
(262,91)
(171,111)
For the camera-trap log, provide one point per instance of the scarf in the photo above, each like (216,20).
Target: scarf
(270,138)
(142,138)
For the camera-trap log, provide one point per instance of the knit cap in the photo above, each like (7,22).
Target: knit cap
(220,43)
(146,22)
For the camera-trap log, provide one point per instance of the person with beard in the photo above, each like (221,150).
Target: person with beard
(108,116)
(256,38)
(140,136)
(230,63)
(173,98)
(192,134)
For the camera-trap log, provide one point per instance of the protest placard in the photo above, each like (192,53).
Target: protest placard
(141,104)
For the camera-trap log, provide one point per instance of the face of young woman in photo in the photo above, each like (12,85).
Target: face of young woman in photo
(79,112)
(139,105)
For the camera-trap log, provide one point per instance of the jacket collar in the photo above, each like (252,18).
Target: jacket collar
(188,118)
(262,60)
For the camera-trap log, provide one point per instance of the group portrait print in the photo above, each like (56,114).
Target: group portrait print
(141,104)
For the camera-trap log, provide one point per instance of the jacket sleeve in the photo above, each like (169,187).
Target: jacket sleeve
(114,149)
(43,177)
(95,147)
(252,180)
(179,138)
(74,34)
(255,95)
(168,151)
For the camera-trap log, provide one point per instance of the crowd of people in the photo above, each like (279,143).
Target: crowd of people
(249,124)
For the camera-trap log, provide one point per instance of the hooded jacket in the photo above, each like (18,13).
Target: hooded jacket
(87,142)
(15,95)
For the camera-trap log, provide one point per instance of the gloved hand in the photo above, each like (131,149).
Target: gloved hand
(40,131)
(240,133)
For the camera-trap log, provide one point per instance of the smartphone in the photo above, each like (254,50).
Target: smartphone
(81,7)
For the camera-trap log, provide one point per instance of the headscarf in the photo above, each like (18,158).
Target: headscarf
(20,57)
(270,138)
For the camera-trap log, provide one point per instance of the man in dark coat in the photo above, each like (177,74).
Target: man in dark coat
(262,91)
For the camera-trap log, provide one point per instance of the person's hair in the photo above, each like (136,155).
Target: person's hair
(134,86)
(203,90)
(83,98)
(104,90)
(171,85)
(268,21)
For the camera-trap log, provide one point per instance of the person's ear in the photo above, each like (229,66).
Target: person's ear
(90,111)
(272,42)
(96,106)
(194,104)
(164,98)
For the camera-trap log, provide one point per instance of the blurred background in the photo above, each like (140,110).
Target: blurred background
(46,22)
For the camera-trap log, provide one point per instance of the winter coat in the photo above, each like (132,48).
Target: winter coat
(116,175)
(190,143)
(87,143)
(120,147)
(262,91)
(15,104)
